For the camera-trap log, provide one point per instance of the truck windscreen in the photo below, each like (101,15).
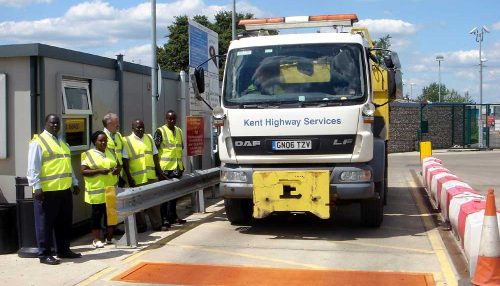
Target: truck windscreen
(302,74)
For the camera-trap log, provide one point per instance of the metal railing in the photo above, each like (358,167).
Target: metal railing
(132,200)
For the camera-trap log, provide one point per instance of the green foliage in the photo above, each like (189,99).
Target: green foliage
(382,43)
(174,55)
(431,93)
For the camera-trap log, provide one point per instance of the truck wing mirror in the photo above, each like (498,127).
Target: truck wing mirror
(395,78)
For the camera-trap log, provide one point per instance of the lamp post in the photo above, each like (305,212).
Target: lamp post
(479,33)
(233,26)
(439,58)
(154,70)
(411,89)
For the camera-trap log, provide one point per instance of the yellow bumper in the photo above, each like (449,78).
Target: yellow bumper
(301,191)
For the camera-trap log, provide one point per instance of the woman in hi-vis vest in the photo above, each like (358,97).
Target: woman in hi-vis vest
(100,169)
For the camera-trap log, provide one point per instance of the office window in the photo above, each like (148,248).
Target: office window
(76,97)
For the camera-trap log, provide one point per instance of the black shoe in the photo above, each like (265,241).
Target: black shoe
(69,254)
(50,260)
(141,229)
(178,221)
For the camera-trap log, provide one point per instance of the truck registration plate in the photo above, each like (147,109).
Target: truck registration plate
(292,145)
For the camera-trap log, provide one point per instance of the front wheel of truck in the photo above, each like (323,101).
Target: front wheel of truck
(238,211)
(372,210)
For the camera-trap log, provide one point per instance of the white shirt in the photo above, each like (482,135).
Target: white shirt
(155,150)
(35,163)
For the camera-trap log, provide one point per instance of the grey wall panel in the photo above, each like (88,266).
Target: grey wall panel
(17,70)
(132,98)
(104,100)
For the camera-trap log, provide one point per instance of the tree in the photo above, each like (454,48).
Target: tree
(382,43)
(431,93)
(174,55)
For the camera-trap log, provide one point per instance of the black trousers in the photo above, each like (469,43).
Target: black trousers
(169,209)
(53,220)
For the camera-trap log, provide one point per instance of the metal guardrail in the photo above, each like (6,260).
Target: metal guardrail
(132,200)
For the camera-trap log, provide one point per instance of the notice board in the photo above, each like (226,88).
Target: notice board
(195,133)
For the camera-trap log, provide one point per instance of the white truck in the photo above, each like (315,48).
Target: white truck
(303,121)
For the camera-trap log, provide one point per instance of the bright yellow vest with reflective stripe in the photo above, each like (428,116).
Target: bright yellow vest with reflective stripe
(170,151)
(140,155)
(116,147)
(95,186)
(56,171)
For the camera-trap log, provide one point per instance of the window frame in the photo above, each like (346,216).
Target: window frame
(77,85)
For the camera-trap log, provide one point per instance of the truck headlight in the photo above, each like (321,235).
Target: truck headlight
(233,176)
(356,176)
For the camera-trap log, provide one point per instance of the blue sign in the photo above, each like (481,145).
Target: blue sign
(198,46)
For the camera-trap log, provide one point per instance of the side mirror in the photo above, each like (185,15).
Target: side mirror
(199,74)
(395,78)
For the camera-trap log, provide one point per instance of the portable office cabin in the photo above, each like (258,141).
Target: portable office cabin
(37,79)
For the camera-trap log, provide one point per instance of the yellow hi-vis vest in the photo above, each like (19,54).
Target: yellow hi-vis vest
(95,186)
(140,155)
(56,172)
(116,146)
(170,151)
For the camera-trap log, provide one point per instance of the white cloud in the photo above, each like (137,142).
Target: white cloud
(138,54)
(496,26)
(96,23)
(21,3)
(391,27)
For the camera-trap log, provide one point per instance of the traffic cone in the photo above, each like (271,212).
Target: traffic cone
(488,260)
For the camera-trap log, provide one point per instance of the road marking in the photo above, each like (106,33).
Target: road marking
(263,258)
(386,246)
(96,276)
(434,237)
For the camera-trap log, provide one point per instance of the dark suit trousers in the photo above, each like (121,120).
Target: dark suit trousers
(53,219)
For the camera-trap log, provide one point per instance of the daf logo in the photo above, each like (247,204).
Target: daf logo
(246,143)
(337,142)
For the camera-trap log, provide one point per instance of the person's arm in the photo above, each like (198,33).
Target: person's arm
(87,172)
(126,168)
(34,168)
(158,138)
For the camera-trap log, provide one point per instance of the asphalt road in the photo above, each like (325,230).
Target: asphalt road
(409,240)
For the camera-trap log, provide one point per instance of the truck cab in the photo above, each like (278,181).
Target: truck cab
(299,129)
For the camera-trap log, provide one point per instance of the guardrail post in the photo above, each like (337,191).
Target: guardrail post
(201,201)
(130,236)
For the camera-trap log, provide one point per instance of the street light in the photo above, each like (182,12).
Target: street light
(479,33)
(411,89)
(439,58)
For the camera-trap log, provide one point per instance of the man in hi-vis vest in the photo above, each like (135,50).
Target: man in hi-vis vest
(140,162)
(168,140)
(51,176)
(111,124)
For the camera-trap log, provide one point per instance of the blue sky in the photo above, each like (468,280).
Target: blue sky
(420,30)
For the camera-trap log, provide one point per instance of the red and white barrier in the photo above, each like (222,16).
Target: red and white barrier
(472,237)
(433,172)
(451,193)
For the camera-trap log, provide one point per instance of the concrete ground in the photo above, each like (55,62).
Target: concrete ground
(401,244)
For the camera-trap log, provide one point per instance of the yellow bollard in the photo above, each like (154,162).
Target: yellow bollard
(425,150)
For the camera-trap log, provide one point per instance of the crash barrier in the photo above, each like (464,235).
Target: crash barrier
(132,200)
(462,207)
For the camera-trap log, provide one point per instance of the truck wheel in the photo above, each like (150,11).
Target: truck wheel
(372,210)
(238,210)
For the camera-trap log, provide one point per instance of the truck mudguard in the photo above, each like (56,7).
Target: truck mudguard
(378,161)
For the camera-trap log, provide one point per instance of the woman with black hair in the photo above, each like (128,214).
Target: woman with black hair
(99,169)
